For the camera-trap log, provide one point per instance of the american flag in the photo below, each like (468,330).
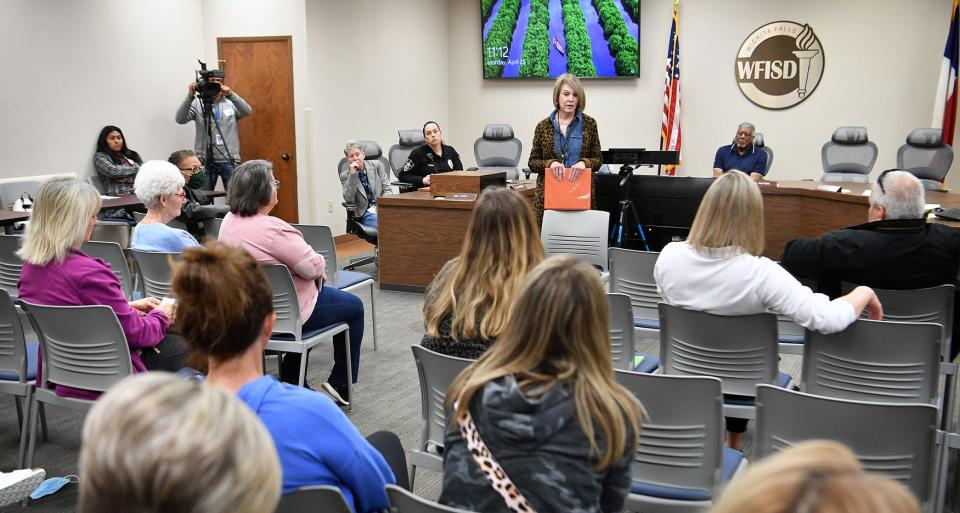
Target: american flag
(945,103)
(670,129)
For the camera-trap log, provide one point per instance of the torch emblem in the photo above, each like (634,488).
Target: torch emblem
(780,64)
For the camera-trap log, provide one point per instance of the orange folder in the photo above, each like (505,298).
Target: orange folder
(564,194)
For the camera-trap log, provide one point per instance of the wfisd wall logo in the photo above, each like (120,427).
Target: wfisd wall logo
(779,65)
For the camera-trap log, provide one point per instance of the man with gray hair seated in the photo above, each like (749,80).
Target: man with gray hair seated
(897,249)
(364,181)
(742,155)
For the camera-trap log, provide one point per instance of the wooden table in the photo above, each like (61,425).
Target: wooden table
(8,217)
(418,234)
(799,209)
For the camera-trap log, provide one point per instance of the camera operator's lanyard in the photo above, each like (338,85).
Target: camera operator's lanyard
(218,139)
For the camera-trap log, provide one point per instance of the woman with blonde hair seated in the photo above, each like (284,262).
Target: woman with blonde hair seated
(539,421)
(817,476)
(57,273)
(159,185)
(466,306)
(161,444)
(719,270)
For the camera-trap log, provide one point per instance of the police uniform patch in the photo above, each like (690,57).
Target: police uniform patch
(408,166)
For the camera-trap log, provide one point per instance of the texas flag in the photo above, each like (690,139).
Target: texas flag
(945,103)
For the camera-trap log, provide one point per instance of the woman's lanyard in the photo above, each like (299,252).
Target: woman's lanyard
(565,140)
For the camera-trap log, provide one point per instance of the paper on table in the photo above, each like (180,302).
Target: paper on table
(105,197)
(867,192)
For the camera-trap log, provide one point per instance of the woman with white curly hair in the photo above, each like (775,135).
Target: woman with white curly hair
(159,185)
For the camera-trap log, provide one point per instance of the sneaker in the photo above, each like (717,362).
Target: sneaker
(17,486)
(334,392)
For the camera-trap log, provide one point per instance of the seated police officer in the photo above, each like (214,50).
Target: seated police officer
(432,157)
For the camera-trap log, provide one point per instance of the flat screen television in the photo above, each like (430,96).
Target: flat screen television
(547,38)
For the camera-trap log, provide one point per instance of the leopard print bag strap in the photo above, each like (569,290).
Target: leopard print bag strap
(499,479)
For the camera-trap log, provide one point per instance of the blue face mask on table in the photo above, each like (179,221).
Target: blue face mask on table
(53,485)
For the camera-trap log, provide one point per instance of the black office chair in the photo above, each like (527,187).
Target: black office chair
(409,139)
(371,151)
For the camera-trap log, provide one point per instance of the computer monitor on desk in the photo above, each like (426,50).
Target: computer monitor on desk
(666,204)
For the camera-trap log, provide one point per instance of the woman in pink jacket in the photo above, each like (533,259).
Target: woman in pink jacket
(252,194)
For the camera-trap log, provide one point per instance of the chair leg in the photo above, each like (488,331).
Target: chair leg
(43,422)
(303,367)
(24,428)
(373,315)
(16,402)
(353,397)
(34,418)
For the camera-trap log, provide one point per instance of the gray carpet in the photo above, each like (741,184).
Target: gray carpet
(387,397)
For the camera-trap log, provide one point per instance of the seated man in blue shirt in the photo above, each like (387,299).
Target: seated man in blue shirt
(742,155)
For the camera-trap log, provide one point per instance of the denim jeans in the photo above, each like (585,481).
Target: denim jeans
(222,169)
(333,306)
(368,219)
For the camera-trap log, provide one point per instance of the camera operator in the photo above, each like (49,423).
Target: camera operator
(228,107)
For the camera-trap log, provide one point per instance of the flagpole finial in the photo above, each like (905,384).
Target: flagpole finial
(676,3)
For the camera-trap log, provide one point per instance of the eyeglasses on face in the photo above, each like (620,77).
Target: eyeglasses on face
(192,170)
(276,184)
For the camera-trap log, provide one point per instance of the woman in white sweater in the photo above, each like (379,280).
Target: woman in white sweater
(718,270)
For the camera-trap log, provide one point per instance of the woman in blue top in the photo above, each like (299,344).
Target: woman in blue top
(159,186)
(227,318)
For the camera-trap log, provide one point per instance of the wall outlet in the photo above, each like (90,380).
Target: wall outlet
(330,206)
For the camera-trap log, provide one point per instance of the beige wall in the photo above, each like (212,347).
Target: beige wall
(69,68)
(375,67)
(882,63)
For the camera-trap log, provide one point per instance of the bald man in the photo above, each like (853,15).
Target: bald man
(897,249)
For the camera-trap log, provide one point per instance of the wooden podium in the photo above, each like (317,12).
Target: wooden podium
(443,184)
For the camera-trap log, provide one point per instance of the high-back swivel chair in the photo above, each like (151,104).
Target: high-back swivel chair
(398,153)
(499,149)
(848,156)
(926,156)
(759,143)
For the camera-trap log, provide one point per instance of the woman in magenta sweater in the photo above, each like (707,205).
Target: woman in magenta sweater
(252,194)
(55,271)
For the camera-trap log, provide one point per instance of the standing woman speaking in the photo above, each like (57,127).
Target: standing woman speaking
(565,138)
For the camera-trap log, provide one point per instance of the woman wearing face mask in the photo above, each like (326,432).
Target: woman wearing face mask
(432,157)
(198,207)
(567,138)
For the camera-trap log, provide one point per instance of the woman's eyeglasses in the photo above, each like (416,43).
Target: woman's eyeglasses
(276,184)
(192,170)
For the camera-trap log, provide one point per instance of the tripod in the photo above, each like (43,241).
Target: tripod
(624,222)
(210,122)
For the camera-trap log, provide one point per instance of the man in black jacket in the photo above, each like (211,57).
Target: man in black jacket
(897,249)
(198,206)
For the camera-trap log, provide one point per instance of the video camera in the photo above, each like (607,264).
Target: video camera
(206,88)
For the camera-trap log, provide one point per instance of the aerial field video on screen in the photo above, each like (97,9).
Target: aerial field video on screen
(547,38)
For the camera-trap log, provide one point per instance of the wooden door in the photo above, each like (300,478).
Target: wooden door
(260,69)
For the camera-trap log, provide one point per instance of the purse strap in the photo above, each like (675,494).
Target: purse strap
(499,480)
